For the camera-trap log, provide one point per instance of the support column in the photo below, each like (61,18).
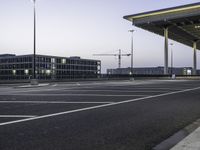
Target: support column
(166,51)
(194,58)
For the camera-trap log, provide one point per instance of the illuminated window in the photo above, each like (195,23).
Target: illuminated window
(53,60)
(189,72)
(26,71)
(14,72)
(197,27)
(63,61)
(48,72)
(53,66)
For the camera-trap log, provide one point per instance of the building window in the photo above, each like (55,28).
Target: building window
(48,72)
(63,61)
(53,60)
(14,72)
(26,71)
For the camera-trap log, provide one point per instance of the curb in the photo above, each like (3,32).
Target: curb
(177,141)
(191,142)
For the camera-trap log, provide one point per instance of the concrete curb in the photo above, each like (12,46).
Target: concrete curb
(191,142)
(177,141)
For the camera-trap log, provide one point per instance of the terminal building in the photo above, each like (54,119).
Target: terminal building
(181,24)
(13,67)
(152,71)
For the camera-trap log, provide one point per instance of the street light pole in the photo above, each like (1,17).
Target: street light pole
(34,42)
(131,51)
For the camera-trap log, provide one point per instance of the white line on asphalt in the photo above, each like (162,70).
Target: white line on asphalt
(16,116)
(121,91)
(48,94)
(32,86)
(83,88)
(90,85)
(54,85)
(95,107)
(155,88)
(55,102)
(74,86)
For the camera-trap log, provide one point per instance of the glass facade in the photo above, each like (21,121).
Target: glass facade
(47,67)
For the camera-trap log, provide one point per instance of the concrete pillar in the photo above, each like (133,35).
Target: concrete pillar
(166,51)
(194,58)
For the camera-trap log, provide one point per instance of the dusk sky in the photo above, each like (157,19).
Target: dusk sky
(87,27)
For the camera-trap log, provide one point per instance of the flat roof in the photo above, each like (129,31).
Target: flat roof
(183,22)
(5,56)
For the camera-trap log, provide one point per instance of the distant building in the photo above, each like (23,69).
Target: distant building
(14,67)
(152,71)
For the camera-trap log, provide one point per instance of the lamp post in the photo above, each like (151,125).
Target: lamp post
(34,80)
(131,31)
(171,58)
(34,41)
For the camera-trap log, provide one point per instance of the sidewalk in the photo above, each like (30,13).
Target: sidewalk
(191,142)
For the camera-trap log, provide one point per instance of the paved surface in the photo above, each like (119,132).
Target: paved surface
(191,142)
(124,115)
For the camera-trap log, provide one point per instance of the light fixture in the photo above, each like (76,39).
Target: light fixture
(48,72)
(14,72)
(197,27)
(26,71)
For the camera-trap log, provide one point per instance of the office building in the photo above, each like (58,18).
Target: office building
(152,71)
(13,67)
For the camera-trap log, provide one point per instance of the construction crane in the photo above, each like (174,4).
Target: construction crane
(119,55)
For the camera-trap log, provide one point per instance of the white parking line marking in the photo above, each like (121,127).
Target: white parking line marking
(16,116)
(95,107)
(55,102)
(69,86)
(118,90)
(54,85)
(156,88)
(85,88)
(89,89)
(103,95)
(32,86)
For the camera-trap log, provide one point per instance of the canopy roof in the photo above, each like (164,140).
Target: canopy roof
(183,23)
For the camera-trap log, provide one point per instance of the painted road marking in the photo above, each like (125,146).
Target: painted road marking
(55,85)
(30,86)
(118,90)
(95,107)
(130,88)
(55,102)
(16,116)
(92,85)
(85,88)
(103,95)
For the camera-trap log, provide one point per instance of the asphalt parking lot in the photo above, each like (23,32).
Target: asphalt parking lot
(109,115)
